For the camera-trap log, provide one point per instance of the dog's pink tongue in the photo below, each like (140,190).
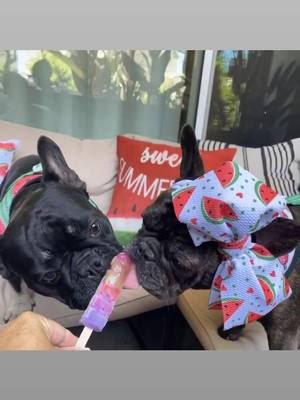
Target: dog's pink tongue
(131,281)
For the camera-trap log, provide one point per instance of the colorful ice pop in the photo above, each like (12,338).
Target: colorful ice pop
(102,303)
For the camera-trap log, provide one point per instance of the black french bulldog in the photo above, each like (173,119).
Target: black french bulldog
(56,241)
(168,263)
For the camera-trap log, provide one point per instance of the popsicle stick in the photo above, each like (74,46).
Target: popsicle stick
(84,337)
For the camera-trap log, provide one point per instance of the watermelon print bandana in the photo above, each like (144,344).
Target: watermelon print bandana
(227,205)
(12,191)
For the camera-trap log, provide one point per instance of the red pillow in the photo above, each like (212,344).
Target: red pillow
(146,169)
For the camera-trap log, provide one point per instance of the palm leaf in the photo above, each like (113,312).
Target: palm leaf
(135,72)
(75,68)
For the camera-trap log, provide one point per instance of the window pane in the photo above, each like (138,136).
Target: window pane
(255,98)
(97,93)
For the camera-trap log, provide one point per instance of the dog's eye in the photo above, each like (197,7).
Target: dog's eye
(51,277)
(95,229)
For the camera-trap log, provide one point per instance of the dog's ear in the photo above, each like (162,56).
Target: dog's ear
(280,237)
(54,165)
(191,164)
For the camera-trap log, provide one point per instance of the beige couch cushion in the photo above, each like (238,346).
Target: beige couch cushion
(205,324)
(131,302)
(95,161)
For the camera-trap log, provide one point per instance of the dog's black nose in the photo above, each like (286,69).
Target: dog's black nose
(91,271)
(97,264)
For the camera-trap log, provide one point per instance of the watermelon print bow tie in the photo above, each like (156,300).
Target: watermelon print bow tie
(227,205)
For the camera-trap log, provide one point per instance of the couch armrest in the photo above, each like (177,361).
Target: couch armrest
(205,324)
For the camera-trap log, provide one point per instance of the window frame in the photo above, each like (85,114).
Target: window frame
(205,93)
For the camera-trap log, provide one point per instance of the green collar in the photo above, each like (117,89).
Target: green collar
(12,191)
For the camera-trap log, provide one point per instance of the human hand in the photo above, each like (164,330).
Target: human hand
(31,331)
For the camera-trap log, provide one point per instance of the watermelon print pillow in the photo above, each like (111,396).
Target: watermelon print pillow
(7,151)
(146,168)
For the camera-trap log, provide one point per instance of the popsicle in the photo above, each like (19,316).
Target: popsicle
(95,317)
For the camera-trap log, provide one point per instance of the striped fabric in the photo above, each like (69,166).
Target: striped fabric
(277,165)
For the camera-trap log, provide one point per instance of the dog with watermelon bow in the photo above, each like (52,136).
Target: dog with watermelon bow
(226,231)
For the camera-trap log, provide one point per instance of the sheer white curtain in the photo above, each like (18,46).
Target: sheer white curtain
(96,93)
